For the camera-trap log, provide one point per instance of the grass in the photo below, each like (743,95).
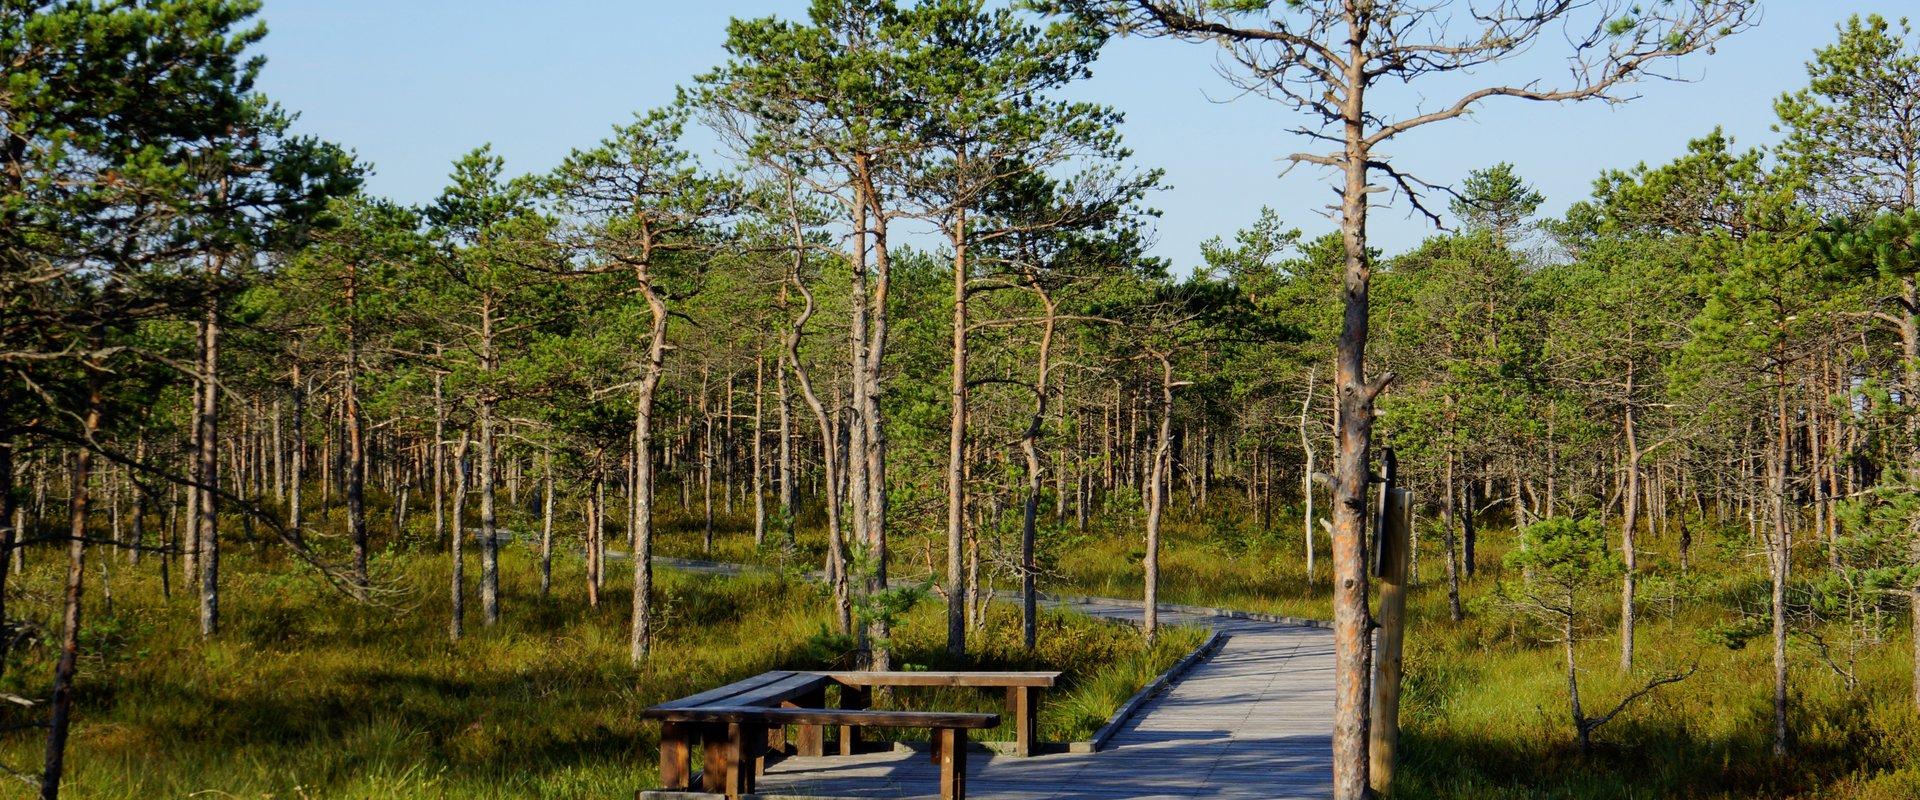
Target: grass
(306,694)
(1485,706)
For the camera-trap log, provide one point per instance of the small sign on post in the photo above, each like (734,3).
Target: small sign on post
(1384,549)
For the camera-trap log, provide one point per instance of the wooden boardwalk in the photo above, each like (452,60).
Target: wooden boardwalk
(1253,722)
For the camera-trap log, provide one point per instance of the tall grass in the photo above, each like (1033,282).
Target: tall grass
(308,694)
(1485,707)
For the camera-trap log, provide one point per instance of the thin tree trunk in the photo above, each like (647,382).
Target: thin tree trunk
(1630,518)
(207,464)
(356,444)
(1306,473)
(439,450)
(640,636)
(829,437)
(489,534)
(457,619)
(957,599)
(759,458)
(1156,500)
(1030,448)
(61,704)
(1780,549)
(298,472)
(546,527)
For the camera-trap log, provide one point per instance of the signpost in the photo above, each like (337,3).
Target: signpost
(1391,542)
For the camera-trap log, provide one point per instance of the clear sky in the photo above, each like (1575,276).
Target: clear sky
(412,84)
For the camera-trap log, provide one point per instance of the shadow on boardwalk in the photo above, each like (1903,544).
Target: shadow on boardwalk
(1253,722)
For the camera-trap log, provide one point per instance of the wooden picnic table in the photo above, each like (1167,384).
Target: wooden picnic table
(743,723)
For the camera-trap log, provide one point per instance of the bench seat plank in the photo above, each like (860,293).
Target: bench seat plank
(715,695)
(981,679)
(798,684)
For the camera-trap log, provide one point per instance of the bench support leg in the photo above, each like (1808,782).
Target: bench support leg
(676,754)
(713,771)
(740,756)
(852,697)
(812,739)
(1023,708)
(952,744)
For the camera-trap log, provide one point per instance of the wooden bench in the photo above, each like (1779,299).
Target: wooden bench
(1023,696)
(737,740)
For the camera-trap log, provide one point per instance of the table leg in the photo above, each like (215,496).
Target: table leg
(676,755)
(739,760)
(713,772)
(1023,707)
(852,697)
(812,739)
(953,763)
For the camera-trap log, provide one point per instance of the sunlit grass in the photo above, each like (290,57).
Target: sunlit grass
(308,694)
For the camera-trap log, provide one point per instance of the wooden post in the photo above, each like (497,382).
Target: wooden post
(713,773)
(1396,514)
(739,759)
(953,763)
(675,756)
(812,740)
(1023,705)
(851,697)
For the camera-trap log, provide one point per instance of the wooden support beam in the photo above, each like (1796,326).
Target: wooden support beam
(852,697)
(1023,707)
(812,739)
(953,762)
(676,755)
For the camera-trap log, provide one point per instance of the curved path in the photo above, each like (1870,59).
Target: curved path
(1252,722)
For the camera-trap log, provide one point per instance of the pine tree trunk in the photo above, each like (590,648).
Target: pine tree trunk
(489,535)
(957,599)
(457,619)
(207,465)
(1156,500)
(640,636)
(1355,398)
(356,444)
(1030,448)
(1630,518)
(546,527)
(61,704)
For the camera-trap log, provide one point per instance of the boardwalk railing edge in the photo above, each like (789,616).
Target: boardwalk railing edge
(1128,709)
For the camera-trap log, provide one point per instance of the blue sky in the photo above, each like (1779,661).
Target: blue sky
(412,84)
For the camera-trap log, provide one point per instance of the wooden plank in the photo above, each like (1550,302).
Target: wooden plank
(793,685)
(865,718)
(979,679)
(676,754)
(712,696)
(812,740)
(1023,707)
(852,698)
(713,772)
(739,773)
(953,763)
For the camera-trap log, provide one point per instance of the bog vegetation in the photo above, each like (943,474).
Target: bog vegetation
(306,492)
